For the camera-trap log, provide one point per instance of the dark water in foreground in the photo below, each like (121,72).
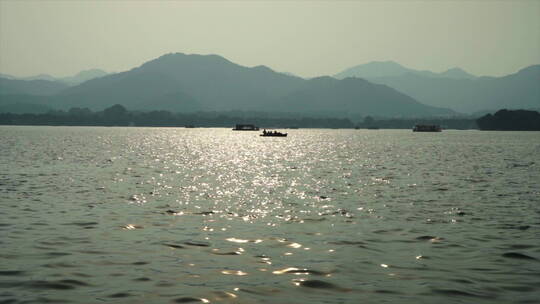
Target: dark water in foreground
(150,215)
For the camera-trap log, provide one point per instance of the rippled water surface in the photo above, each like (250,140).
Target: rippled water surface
(166,215)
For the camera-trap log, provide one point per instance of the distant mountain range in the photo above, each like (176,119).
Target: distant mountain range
(355,95)
(70,80)
(455,88)
(30,87)
(36,94)
(378,69)
(187,83)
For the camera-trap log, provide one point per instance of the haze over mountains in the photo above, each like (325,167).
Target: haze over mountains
(78,78)
(377,69)
(455,88)
(30,87)
(187,83)
(184,83)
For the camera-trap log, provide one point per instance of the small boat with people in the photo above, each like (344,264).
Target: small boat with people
(273,133)
(427,128)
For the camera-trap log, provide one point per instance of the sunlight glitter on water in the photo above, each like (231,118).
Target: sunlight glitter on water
(322,216)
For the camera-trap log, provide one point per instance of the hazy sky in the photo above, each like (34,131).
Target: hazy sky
(308,38)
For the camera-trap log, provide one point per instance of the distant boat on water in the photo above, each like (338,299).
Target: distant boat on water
(427,128)
(245,127)
(273,133)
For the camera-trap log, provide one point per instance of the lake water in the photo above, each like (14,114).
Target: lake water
(173,215)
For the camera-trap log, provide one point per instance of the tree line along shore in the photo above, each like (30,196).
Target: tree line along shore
(117,115)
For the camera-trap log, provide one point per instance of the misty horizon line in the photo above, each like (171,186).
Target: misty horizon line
(59,77)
